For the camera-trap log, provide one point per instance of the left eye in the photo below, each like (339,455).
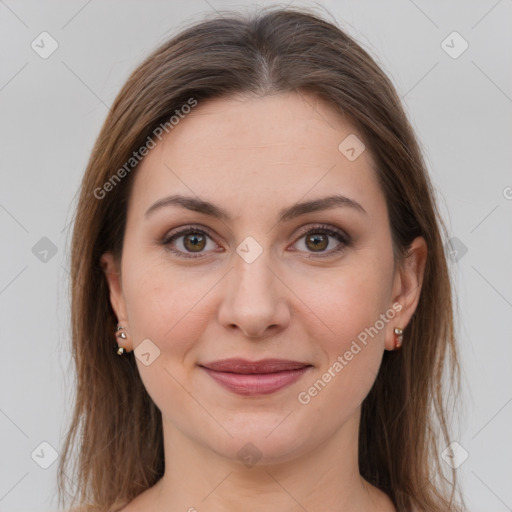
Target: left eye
(194,241)
(318,240)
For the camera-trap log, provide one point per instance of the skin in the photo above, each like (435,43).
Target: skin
(254,156)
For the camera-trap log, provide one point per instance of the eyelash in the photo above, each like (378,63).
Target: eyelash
(321,228)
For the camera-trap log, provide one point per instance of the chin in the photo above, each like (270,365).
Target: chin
(261,439)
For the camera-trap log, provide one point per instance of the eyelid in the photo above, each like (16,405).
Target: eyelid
(343,238)
(331,230)
(185,230)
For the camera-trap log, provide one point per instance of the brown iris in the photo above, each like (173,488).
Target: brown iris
(318,241)
(194,242)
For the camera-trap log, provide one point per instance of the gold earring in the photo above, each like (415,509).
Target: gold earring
(399,337)
(121,335)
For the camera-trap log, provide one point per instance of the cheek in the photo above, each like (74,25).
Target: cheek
(164,306)
(172,307)
(353,302)
(355,307)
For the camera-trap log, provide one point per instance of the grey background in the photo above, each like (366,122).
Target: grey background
(51,113)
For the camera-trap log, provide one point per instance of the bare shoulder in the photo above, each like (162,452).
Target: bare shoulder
(92,508)
(144,502)
(381,500)
(386,505)
(129,507)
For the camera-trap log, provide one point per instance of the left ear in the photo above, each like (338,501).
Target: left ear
(407,287)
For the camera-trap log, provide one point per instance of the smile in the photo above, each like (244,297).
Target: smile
(253,378)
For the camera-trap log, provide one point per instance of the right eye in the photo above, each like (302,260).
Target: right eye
(193,239)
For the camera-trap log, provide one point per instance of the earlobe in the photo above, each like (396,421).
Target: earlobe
(407,288)
(113,276)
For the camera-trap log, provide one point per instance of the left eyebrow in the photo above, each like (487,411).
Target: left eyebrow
(201,206)
(325,203)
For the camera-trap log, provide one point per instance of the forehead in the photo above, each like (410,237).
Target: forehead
(257,151)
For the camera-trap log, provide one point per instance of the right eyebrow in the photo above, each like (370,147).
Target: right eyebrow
(206,207)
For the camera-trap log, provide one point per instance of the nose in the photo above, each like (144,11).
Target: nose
(254,299)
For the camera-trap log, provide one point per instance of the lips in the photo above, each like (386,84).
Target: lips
(245,367)
(251,378)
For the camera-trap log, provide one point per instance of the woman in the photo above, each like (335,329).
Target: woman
(261,308)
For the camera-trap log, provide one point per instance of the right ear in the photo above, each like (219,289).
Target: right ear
(113,276)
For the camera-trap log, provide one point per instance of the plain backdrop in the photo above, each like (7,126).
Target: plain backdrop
(459,102)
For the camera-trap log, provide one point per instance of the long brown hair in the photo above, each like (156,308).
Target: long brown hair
(404,419)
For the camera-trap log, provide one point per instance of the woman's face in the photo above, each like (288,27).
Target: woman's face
(253,284)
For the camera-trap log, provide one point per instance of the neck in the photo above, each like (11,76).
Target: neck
(325,478)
